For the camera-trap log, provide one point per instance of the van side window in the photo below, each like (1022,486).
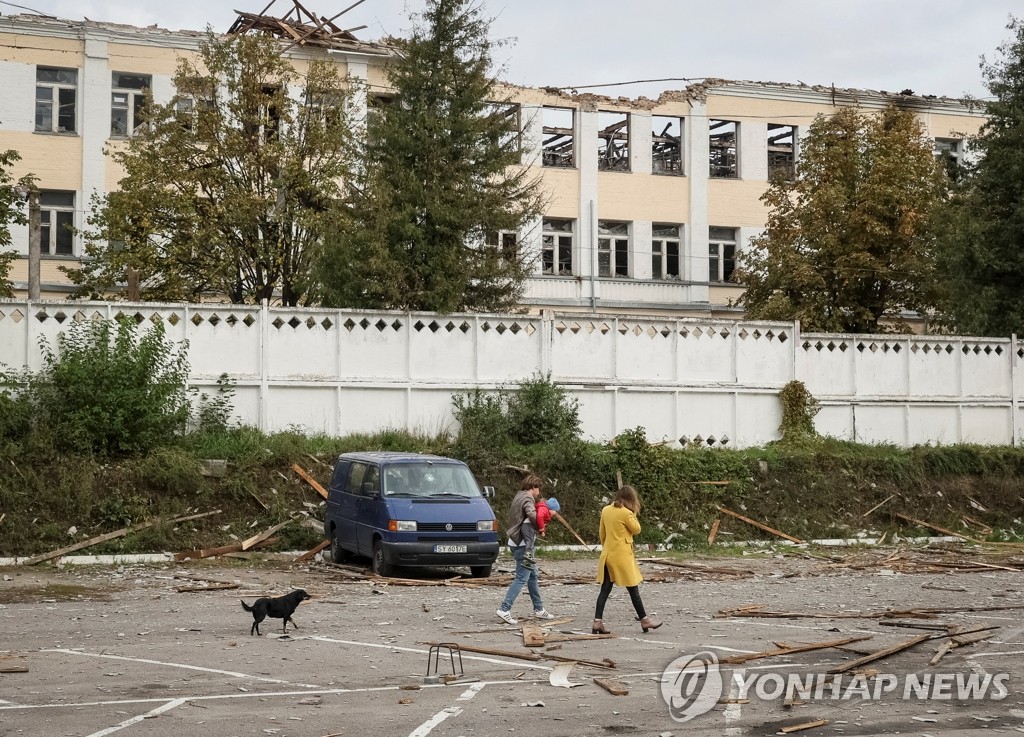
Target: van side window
(371,481)
(355,478)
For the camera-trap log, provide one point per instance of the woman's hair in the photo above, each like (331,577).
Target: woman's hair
(530,482)
(627,497)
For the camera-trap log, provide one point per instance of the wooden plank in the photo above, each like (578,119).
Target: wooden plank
(13,669)
(805,725)
(310,553)
(714,530)
(760,526)
(533,635)
(494,651)
(930,526)
(575,534)
(260,537)
(574,638)
(310,480)
(112,536)
(879,654)
(212,587)
(737,659)
(606,663)
(613,687)
(878,506)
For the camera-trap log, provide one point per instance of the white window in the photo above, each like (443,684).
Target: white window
(612,248)
(559,144)
(128,98)
(950,152)
(556,247)
(721,254)
(723,161)
(57,218)
(665,251)
(56,92)
(781,151)
(666,144)
(613,141)
(505,241)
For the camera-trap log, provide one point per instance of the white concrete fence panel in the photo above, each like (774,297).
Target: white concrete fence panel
(711,381)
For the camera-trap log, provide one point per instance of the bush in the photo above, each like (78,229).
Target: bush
(111,390)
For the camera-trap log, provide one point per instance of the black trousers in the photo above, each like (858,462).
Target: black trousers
(606,590)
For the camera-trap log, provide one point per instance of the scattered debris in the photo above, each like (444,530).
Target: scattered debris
(222,550)
(560,675)
(802,727)
(310,480)
(613,687)
(738,659)
(760,525)
(533,635)
(211,587)
(879,654)
(714,530)
(310,553)
(246,544)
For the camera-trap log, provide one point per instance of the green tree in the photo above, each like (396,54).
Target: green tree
(442,180)
(230,187)
(849,243)
(982,254)
(11,212)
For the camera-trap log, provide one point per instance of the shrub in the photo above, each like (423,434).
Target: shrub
(540,411)
(798,410)
(111,390)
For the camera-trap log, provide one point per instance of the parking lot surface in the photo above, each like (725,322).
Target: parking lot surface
(131,650)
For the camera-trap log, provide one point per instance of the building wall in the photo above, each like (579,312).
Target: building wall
(711,381)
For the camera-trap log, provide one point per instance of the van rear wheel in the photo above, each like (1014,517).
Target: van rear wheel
(380,566)
(480,571)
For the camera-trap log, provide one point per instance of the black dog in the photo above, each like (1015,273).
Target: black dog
(279,607)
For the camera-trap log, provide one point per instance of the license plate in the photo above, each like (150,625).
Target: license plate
(451,548)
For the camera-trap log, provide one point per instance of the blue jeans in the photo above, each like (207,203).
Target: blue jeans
(524,576)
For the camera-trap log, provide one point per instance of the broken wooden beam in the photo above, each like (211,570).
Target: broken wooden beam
(211,587)
(805,725)
(222,550)
(737,659)
(261,536)
(533,635)
(943,530)
(879,654)
(310,553)
(310,480)
(495,651)
(714,530)
(112,536)
(613,687)
(575,534)
(760,525)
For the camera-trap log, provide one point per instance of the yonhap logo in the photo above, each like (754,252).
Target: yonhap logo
(691,685)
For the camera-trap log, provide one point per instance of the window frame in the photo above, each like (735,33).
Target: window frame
(56,87)
(662,245)
(613,249)
(134,103)
(727,165)
(722,253)
(662,144)
(50,223)
(505,242)
(556,242)
(782,162)
(613,144)
(555,138)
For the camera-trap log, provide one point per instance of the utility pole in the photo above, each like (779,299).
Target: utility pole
(34,242)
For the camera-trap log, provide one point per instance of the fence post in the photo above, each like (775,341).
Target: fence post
(264,360)
(1014,402)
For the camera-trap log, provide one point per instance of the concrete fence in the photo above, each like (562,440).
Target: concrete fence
(717,382)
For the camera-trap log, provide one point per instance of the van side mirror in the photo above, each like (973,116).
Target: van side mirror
(369,488)
(488,492)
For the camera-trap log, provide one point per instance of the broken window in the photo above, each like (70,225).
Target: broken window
(721,254)
(781,151)
(128,98)
(505,241)
(666,144)
(56,90)
(665,243)
(612,248)
(723,149)
(508,119)
(556,248)
(559,143)
(612,141)
(949,152)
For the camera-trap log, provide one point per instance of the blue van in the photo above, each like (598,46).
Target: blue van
(410,509)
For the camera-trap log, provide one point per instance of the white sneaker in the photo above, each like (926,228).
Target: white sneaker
(507,616)
(543,614)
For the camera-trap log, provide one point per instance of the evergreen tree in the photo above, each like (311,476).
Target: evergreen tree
(982,254)
(442,195)
(849,243)
(230,187)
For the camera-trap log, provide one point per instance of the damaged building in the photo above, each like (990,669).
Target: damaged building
(649,201)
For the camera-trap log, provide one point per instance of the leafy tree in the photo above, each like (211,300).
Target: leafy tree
(982,254)
(11,211)
(849,241)
(442,174)
(230,187)
(111,388)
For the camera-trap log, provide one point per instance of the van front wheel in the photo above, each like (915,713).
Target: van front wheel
(480,571)
(380,566)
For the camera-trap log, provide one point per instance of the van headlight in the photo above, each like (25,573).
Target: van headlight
(485,525)
(402,525)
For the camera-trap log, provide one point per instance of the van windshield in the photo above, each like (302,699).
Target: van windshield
(429,480)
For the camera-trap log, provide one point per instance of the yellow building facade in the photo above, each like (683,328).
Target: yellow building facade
(648,201)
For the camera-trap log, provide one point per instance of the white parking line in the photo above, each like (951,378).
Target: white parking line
(134,720)
(428,726)
(233,674)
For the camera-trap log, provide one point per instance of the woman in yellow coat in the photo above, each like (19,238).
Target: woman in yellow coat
(618,564)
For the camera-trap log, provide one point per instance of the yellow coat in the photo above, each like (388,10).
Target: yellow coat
(618,525)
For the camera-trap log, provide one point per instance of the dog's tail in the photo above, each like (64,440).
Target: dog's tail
(246,607)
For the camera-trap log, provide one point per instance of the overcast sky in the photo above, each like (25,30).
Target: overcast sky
(929,46)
